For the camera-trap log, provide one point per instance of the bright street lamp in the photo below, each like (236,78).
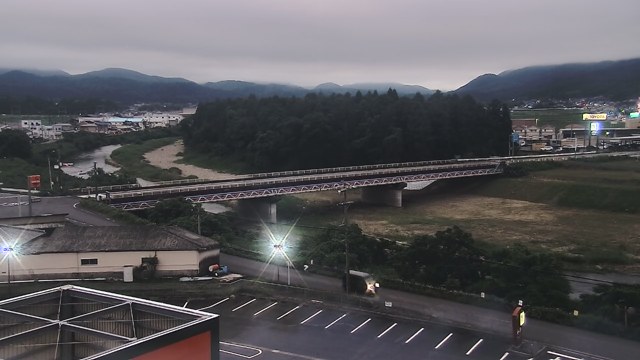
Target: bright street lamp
(8,253)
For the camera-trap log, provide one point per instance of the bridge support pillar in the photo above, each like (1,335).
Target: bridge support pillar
(263,208)
(390,195)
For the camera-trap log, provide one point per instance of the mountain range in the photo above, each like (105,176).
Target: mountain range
(611,79)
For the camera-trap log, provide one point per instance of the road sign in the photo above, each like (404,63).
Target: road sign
(33,181)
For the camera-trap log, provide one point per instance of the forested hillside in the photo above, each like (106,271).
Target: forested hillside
(317,131)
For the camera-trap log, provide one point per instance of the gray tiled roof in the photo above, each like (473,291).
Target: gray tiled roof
(73,238)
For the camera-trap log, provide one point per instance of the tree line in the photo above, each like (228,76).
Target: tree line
(272,134)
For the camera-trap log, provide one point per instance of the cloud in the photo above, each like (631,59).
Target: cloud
(434,43)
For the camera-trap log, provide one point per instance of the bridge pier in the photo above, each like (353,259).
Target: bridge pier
(390,195)
(263,208)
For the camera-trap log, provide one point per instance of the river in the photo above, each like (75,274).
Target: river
(84,163)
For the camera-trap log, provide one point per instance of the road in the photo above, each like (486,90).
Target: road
(12,205)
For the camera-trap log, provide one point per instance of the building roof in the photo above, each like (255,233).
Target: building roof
(72,238)
(72,322)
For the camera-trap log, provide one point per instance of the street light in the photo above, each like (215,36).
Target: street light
(8,253)
(345,205)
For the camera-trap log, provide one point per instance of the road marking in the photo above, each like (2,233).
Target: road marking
(504,356)
(218,303)
(258,351)
(243,305)
(335,321)
(416,334)
(389,328)
(310,317)
(289,312)
(474,347)
(563,355)
(361,325)
(267,308)
(443,341)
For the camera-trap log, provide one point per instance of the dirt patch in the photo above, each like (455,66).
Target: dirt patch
(167,156)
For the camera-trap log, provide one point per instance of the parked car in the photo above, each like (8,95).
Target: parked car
(546,148)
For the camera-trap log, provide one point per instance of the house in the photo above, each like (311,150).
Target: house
(94,251)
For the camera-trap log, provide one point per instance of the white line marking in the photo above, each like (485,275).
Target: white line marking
(310,317)
(389,328)
(218,303)
(243,305)
(361,325)
(258,351)
(267,308)
(474,347)
(443,341)
(289,312)
(335,321)
(504,356)
(416,334)
(563,355)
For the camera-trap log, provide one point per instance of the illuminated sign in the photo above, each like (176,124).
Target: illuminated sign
(594,127)
(596,117)
(634,115)
(522,318)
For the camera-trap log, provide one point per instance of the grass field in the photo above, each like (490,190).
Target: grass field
(588,212)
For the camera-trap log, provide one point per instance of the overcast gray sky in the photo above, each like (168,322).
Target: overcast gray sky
(439,44)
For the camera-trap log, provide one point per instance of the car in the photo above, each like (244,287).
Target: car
(546,148)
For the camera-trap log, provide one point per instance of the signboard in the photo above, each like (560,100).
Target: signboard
(33,181)
(594,117)
(594,127)
(634,115)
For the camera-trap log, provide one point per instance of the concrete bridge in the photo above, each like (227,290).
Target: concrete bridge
(381,184)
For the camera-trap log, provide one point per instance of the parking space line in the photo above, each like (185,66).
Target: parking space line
(563,355)
(443,341)
(504,356)
(474,347)
(243,305)
(386,331)
(218,303)
(265,309)
(289,312)
(310,317)
(335,321)
(257,351)
(416,334)
(361,325)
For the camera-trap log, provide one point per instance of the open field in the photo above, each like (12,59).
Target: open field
(505,211)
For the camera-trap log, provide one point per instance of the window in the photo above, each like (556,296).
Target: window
(88,261)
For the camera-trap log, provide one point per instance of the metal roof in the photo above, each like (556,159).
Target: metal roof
(72,322)
(72,238)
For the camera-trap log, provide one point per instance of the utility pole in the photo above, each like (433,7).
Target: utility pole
(345,206)
(95,174)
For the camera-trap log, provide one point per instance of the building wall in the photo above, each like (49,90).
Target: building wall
(177,263)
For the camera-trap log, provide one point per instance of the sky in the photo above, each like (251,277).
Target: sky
(438,44)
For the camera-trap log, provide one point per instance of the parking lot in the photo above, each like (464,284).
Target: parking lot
(270,329)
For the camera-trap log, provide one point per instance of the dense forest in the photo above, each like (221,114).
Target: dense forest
(271,134)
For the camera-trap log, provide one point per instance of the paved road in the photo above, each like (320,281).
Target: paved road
(464,316)
(12,205)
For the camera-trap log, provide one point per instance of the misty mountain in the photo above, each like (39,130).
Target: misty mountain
(37,72)
(129,75)
(237,88)
(382,88)
(125,87)
(616,80)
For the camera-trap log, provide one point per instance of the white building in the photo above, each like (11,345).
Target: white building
(152,120)
(93,251)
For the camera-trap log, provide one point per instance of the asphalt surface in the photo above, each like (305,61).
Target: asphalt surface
(12,205)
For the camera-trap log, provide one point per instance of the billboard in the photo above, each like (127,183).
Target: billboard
(594,117)
(634,115)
